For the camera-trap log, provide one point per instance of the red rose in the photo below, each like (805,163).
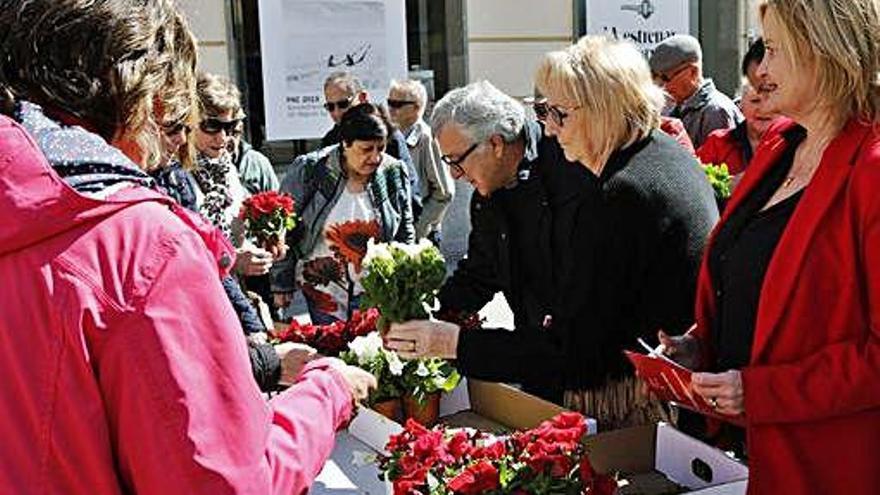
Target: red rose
(493,451)
(459,445)
(476,479)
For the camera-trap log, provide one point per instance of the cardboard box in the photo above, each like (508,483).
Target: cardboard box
(488,406)
(654,460)
(657,459)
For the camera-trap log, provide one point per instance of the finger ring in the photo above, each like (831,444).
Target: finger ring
(414,346)
(714,402)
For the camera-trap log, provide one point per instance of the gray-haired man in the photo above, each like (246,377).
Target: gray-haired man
(677,66)
(526,198)
(406,104)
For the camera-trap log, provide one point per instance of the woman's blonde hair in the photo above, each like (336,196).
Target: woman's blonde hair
(611,82)
(106,62)
(842,39)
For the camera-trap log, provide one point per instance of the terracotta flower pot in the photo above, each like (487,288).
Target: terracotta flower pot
(390,408)
(425,413)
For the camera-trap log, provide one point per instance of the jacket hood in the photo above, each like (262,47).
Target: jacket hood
(53,176)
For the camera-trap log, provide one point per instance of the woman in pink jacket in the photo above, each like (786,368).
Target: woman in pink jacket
(124,366)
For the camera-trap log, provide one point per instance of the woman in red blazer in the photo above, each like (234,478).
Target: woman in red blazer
(788,304)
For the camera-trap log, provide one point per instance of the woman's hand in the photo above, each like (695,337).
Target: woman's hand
(252,261)
(293,359)
(724,391)
(683,349)
(360,382)
(423,339)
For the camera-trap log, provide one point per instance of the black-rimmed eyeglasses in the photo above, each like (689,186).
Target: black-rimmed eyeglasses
(456,162)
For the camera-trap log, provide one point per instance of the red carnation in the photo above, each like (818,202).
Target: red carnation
(476,479)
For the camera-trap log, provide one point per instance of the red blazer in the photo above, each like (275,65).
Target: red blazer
(721,147)
(812,388)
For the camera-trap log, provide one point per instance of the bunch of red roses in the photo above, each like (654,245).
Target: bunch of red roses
(549,459)
(331,339)
(267,215)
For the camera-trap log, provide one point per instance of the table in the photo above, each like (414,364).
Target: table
(342,475)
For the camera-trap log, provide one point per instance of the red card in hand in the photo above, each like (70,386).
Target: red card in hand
(670,381)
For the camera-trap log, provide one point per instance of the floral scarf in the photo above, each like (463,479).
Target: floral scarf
(212,176)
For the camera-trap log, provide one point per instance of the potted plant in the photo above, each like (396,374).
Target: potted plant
(366,352)
(422,381)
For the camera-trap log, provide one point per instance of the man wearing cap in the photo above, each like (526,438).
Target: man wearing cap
(677,66)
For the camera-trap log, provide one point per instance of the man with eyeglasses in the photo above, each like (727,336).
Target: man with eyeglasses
(406,104)
(522,215)
(343,90)
(677,66)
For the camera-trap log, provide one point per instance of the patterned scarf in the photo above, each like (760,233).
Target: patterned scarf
(212,177)
(81,158)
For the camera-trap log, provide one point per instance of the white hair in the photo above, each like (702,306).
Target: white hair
(481,110)
(414,89)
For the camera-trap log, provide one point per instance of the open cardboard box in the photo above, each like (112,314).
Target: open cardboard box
(654,460)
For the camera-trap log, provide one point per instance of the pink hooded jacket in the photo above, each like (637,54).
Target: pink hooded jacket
(124,366)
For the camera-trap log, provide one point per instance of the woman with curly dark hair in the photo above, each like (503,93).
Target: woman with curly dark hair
(125,369)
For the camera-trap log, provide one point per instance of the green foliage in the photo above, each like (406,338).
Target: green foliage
(400,280)
(720,179)
(422,377)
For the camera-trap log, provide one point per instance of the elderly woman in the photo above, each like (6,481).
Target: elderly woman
(650,221)
(135,362)
(788,313)
(345,194)
(634,242)
(735,147)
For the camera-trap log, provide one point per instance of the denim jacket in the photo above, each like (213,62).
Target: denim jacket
(316,181)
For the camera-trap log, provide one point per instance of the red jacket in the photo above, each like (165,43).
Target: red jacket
(124,366)
(675,128)
(721,146)
(812,388)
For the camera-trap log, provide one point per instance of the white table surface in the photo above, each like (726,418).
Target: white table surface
(343,476)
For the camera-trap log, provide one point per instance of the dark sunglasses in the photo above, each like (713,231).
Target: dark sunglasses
(456,163)
(665,78)
(399,103)
(175,128)
(214,126)
(341,104)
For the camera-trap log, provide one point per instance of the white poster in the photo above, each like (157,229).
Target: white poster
(643,22)
(304,41)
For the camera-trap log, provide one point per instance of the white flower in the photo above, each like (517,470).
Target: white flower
(367,347)
(422,370)
(376,251)
(414,250)
(395,365)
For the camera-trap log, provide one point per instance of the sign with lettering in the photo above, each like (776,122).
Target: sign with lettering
(304,41)
(643,22)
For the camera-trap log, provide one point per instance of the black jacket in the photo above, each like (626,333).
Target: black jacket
(613,258)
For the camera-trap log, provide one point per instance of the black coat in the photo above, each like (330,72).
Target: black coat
(612,258)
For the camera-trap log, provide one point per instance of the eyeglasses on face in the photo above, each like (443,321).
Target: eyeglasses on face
(400,103)
(455,163)
(214,126)
(543,110)
(172,128)
(665,78)
(331,106)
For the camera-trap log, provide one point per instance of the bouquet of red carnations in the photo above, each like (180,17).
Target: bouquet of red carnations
(331,339)
(549,459)
(267,216)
